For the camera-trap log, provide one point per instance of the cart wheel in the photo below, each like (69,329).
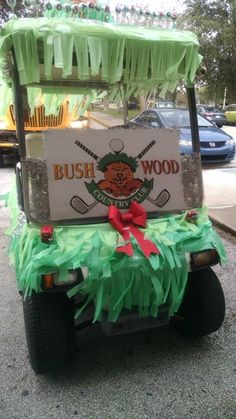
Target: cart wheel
(50,331)
(202,310)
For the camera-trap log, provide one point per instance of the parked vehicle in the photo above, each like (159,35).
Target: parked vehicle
(161,104)
(133,103)
(230,114)
(9,145)
(212,113)
(38,121)
(216,145)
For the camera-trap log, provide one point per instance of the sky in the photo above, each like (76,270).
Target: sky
(171,4)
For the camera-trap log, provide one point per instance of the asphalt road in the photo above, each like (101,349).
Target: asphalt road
(152,374)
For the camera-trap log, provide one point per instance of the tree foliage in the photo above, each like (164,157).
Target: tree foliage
(19,10)
(214,21)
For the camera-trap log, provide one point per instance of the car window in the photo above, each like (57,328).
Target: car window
(166,105)
(175,119)
(213,109)
(180,119)
(200,109)
(149,118)
(231,108)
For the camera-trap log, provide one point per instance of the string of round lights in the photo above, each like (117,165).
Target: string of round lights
(134,14)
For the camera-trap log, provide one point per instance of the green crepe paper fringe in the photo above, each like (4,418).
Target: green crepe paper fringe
(115,281)
(137,55)
(51,100)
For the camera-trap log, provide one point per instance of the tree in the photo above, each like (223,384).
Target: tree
(20,10)
(214,21)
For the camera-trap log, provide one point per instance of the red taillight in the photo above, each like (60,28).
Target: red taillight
(192,216)
(46,233)
(48,281)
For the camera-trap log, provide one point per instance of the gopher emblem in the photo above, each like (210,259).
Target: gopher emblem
(119,180)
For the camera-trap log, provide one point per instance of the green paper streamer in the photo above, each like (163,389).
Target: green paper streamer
(142,57)
(78,103)
(115,281)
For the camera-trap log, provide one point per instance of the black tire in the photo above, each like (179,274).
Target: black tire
(50,331)
(202,310)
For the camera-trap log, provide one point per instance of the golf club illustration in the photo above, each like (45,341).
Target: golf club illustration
(116,145)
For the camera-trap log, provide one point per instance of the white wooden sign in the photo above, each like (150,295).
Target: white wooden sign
(88,170)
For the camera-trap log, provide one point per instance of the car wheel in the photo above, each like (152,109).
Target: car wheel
(50,331)
(202,310)
(220,126)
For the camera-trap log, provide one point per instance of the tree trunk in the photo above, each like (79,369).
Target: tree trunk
(106,103)
(142,102)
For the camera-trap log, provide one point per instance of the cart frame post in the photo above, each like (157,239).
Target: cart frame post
(18,108)
(193,119)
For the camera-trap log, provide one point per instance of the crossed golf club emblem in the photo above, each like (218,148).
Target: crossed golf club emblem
(117,145)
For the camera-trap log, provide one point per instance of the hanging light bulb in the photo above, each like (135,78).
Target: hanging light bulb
(118,9)
(82,9)
(27,3)
(67,7)
(48,5)
(12,4)
(75,9)
(174,15)
(58,6)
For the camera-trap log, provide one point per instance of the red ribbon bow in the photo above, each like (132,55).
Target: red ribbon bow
(126,224)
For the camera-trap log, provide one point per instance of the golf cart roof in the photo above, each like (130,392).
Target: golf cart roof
(54,52)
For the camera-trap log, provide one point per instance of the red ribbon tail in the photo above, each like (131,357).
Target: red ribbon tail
(148,247)
(127,248)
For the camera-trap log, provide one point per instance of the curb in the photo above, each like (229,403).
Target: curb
(222,226)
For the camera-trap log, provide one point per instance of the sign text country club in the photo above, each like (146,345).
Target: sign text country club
(87,170)
(101,197)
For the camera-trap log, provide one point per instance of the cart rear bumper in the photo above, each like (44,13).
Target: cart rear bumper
(129,321)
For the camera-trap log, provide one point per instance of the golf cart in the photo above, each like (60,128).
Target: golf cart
(111,225)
